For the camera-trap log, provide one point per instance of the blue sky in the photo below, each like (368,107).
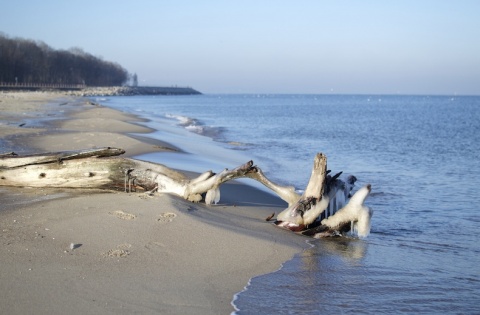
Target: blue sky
(368,47)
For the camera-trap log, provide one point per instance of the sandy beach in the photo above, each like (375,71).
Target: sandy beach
(98,252)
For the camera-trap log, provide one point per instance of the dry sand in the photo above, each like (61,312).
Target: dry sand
(94,252)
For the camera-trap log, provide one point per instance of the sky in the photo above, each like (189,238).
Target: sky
(255,46)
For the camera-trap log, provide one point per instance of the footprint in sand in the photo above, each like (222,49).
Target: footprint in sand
(123,215)
(121,251)
(167,217)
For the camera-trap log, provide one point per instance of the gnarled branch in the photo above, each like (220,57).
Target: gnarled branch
(102,168)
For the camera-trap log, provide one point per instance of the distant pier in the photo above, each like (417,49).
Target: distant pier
(82,90)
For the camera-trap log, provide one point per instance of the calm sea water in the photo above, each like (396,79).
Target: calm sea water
(421,155)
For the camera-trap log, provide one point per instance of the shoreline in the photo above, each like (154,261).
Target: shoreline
(84,91)
(135,253)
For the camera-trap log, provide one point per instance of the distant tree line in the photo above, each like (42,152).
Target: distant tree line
(28,61)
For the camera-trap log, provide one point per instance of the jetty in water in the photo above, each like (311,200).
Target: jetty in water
(82,90)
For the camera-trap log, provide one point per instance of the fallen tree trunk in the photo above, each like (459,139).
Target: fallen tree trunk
(103,168)
(13,160)
(313,201)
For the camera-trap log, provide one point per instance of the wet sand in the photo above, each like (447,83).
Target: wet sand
(95,252)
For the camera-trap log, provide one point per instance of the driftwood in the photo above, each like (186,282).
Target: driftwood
(325,196)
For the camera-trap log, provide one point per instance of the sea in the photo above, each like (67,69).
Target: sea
(420,153)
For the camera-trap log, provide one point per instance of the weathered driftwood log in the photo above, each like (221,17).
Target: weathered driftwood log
(102,168)
(12,160)
(313,201)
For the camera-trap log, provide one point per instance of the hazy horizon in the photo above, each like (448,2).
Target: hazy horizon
(270,47)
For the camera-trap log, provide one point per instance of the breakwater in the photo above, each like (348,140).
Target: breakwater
(105,91)
(133,90)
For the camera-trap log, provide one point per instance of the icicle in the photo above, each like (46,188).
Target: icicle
(212,196)
(217,195)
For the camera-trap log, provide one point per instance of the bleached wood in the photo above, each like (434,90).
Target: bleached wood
(313,201)
(287,193)
(103,168)
(11,160)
